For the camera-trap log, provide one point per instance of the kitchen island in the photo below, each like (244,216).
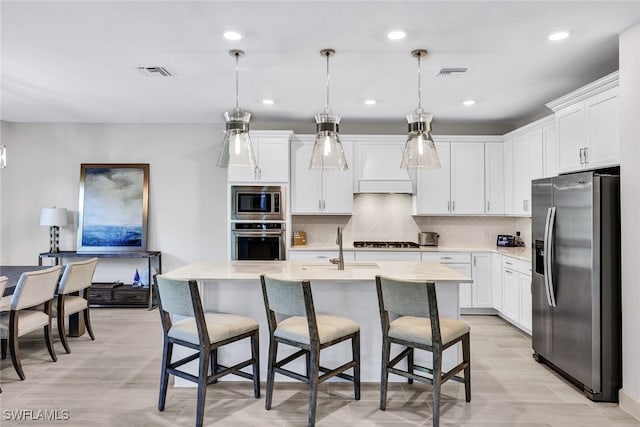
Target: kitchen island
(234,287)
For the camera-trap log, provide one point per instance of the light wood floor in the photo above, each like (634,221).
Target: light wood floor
(113,381)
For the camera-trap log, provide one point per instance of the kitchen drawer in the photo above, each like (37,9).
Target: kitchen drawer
(515,264)
(298,255)
(447,257)
(401,255)
(102,294)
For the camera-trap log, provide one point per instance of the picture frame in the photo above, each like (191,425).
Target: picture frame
(113,207)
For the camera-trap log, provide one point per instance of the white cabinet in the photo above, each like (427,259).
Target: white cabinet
(271,149)
(433,193)
(508,177)
(321,255)
(587,125)
(496,260)
(377,164)
(516,292)
(494,178)
(467,178)
(413,256)
(458,187)
(461,262)
(482,274)
(319,192)
(523,163)
(525,312)
(550,149)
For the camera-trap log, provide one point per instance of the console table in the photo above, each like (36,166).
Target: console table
(115,294)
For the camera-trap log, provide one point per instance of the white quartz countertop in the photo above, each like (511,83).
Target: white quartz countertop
(317,271)
(522,253)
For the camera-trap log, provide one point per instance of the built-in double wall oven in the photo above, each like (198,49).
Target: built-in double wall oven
(258,228)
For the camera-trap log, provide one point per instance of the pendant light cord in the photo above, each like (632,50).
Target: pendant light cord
(327,110)
(237,55)
(419,110)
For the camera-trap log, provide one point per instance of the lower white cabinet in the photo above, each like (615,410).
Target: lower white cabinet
(482,274)
(461,262)
(497,281)
(516,292)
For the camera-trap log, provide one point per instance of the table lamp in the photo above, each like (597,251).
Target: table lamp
(53,217)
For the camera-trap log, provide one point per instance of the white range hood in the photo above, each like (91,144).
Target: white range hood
(377,165)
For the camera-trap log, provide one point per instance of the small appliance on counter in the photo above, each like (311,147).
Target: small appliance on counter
(428,238)
(509,241)
(299,238)
(506,240)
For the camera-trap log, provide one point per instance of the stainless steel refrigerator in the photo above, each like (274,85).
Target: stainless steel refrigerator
(576,280)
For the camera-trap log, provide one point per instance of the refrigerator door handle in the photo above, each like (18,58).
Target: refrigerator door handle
(548,256)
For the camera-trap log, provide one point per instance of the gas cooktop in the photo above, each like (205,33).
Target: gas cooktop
(371,244)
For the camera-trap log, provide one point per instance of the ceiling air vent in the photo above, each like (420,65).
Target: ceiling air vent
(156,71)
(452,72)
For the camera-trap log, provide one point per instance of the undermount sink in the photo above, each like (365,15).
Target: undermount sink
(347,266)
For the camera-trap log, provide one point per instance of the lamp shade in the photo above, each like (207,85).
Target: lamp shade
(420,150)
(236,148)
(328,153)
(53,216)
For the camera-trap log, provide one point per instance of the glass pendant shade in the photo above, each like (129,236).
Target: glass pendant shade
(236,148)
(328,153)
(420,150)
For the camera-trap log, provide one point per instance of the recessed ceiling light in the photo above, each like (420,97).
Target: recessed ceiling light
(232,35)
(369,102)
(396,35)
(268,101)
(559,35)
(469,102)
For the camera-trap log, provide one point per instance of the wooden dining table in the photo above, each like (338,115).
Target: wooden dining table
(13,273)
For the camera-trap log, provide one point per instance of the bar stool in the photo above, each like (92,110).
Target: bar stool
(309,332)
(419,327)
(205,333)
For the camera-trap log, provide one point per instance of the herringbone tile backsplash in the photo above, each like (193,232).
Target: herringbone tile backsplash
(388,217)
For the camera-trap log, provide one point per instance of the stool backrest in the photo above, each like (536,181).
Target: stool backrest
(176,296)
(284,296)
(408,299)
(35,288)
(3,284)
(77,276)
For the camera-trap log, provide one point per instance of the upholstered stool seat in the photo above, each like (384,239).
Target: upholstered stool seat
(293,321)
(418,326)
(221,326)
(185,323)
(72,304)
(418,329)
(330,328)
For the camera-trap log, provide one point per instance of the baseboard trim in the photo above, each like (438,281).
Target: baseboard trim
(630,403)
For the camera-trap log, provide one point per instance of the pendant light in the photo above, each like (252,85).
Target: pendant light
(237,149)
(328,153)
(419,150)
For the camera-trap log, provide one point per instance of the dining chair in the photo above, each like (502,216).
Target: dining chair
(309,332)
(418,326)
(76,278)
(3,284)
(185,323)
(31,306)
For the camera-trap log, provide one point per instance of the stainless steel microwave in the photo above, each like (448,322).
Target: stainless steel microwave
(257,203)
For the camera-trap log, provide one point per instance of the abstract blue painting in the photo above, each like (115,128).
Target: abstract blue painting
(113,207)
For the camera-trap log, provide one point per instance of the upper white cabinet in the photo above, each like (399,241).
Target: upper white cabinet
(550,156)
(494,178)
(467,178)
(526,147)
(463,185)
(433,192)
(587,125)
(271,149)
(508,177)
(319,192)
(377,164)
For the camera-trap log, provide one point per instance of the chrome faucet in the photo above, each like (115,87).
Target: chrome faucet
(340,259)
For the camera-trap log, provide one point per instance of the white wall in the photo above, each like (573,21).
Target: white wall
(187,192)
(630,204)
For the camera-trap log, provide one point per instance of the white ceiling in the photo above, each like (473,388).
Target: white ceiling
(77,61)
